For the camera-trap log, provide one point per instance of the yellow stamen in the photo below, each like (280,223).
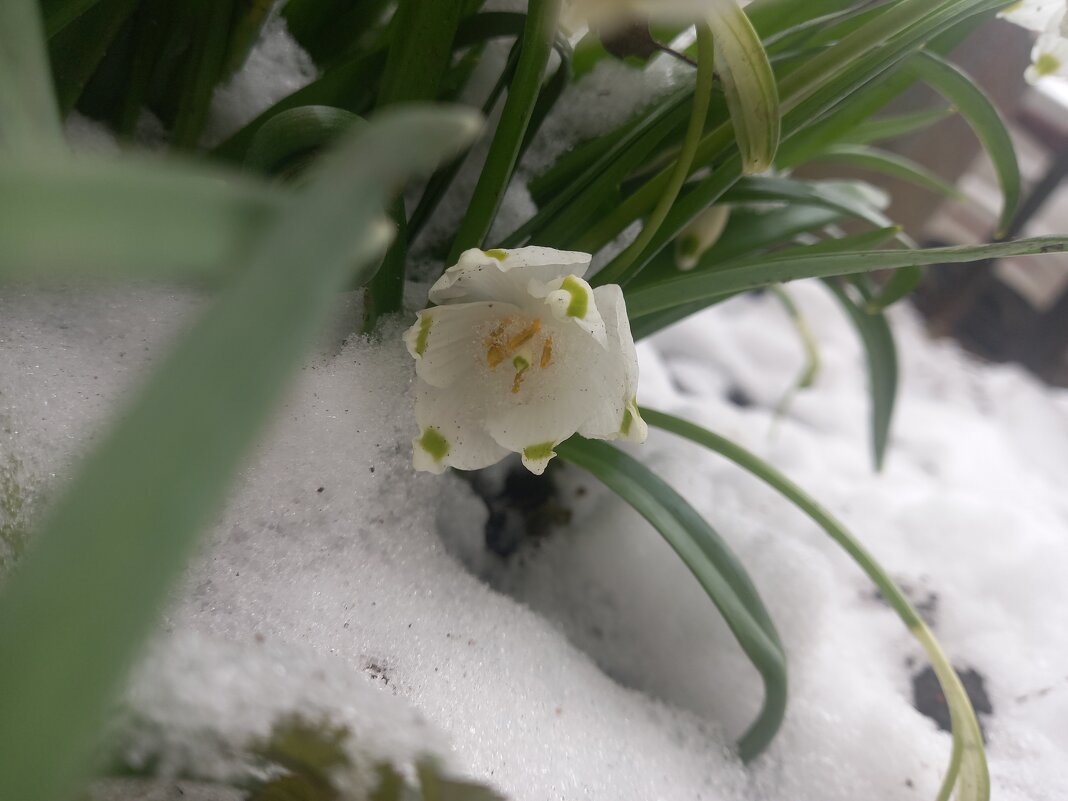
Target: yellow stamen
(524,336)
(547,353)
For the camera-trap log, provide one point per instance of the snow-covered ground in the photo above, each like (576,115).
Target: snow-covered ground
(340,585)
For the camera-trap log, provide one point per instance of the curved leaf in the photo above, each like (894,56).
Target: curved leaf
(959,89)
(749,84)
(712,563)
(881,354)
(967,771)
(892,164)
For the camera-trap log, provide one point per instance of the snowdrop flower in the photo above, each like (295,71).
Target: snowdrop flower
(519,354)
(1050,19)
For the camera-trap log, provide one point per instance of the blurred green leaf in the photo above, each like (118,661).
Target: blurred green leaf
(989,126)
(127,218)
(711,561)
(98,571)
(895,126)
(29,120)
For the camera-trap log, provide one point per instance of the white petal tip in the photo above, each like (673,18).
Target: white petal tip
(429,451)
(536,457)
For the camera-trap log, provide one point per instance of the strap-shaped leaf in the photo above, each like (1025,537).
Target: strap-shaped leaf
(539,33)
(649,324)
(967,773)
(128,218)
(749,84)
(880,351)
(29,121)
(92,583)
(887,163)
(972,102)
(710,560)
(692,287)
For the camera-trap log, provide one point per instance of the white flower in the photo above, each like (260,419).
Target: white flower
(1050,19)
(519,354)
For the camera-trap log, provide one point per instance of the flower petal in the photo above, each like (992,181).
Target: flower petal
(504,275)
(1049,57)
(1035,15)
(617,417)
(450,430)
(448,342)
(572,300)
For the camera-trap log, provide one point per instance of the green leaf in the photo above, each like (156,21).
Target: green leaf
(895,126)
(968,768)
(60,13)
(649,324)
(539,33)
(622,268)
(129,218)
(776,268)
(202,69)
(288,141)
(710,560)
(749,84)
(851,198)
(29,120)
(959,89)
(749,231)
(887,163)
(420,49)
(881,353)
(77,51)
(98,571)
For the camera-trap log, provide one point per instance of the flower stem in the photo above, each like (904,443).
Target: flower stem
(622,268)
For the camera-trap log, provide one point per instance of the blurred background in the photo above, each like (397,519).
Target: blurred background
(1015,309)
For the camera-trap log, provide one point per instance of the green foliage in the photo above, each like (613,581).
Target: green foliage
(712,563)
(796,81)
(175,451)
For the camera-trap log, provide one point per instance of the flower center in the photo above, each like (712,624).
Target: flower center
(518,339)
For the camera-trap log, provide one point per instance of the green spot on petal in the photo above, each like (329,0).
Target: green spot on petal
(497,253)
(520,364)
(433,443)
(538,452)
(424,331)
(1047,64)
(628,420)
(580,299)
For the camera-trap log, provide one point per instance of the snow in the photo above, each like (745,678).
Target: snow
(341,585)
(591,665)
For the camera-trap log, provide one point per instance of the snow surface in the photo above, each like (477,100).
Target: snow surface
(340,584)
(592,666)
